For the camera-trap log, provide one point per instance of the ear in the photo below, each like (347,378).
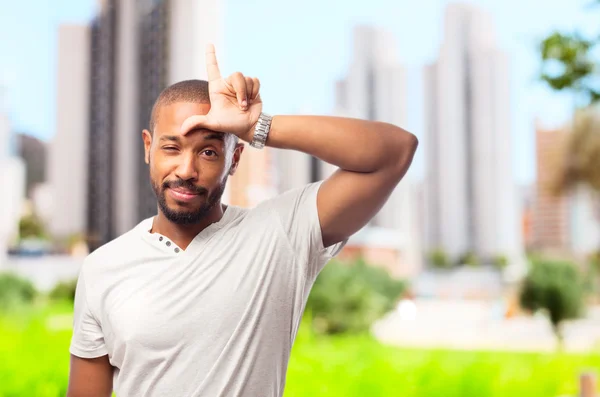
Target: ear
(147,137)
(237,155)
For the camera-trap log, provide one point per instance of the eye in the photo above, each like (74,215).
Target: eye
(210,153)
(170,148)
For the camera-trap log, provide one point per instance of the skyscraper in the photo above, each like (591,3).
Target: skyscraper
(471,195)
(67,162)
(102,133)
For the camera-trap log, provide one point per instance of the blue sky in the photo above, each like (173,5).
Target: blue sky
(298,49)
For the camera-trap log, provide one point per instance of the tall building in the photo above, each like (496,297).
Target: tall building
(131,74)
(471,195)
(374,88)
(67,162)
(550,223)
(102,132)
(138,49)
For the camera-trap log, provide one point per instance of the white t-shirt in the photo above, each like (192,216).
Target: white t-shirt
(216,319)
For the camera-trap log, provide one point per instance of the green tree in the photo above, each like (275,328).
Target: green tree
(556,288)
(568,66)
(349,297)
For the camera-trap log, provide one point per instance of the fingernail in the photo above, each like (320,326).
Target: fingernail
(244,103)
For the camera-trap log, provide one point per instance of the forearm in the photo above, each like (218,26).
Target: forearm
(351,144)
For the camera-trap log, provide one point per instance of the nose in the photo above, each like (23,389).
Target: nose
(187,168)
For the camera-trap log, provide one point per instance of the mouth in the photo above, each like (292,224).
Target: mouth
(180,194)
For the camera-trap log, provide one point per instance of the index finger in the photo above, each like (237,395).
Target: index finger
(212,68)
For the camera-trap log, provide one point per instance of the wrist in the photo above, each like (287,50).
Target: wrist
(249,135)
(260,132)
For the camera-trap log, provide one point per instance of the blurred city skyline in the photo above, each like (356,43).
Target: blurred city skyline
(28,65)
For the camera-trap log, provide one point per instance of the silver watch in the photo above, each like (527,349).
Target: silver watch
(261,131)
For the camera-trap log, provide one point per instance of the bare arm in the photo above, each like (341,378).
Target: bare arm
(90,377)
(372,157)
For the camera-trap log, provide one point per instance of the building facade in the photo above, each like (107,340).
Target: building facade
(550,223)
(67,163)
(470,192)
(101,138)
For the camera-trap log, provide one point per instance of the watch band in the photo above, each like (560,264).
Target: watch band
(261,131)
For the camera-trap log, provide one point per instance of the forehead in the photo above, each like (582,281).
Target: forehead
(170,117)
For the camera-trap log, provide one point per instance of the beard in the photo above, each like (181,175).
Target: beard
(192,216)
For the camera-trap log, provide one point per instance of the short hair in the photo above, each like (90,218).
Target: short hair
(194,91)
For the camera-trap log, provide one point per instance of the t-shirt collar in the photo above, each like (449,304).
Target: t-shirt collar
(165,243)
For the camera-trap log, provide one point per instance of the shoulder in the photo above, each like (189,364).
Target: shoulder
(292,199)
(109,253)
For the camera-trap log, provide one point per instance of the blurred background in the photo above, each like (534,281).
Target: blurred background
(480,276)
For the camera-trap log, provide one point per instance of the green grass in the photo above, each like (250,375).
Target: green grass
(34,363)
(35,357)
(360,366)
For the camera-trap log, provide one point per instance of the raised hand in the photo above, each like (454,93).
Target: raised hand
(235,102)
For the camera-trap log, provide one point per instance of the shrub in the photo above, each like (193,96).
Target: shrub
(500,261)
(15,291)
(350,297)
(439,259)
(65,290)
(556,288)
(593,275)
(30,226)
(469,258)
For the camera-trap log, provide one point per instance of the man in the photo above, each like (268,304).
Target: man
(205,299)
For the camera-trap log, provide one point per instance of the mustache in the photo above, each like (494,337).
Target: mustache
(180,183)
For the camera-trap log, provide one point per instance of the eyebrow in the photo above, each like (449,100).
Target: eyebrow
(207,137)
(174,138)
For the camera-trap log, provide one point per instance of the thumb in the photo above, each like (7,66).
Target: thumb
(194,123)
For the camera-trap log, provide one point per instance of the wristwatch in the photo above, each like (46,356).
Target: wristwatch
(261,131)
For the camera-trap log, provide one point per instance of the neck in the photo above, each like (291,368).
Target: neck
(182,235)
